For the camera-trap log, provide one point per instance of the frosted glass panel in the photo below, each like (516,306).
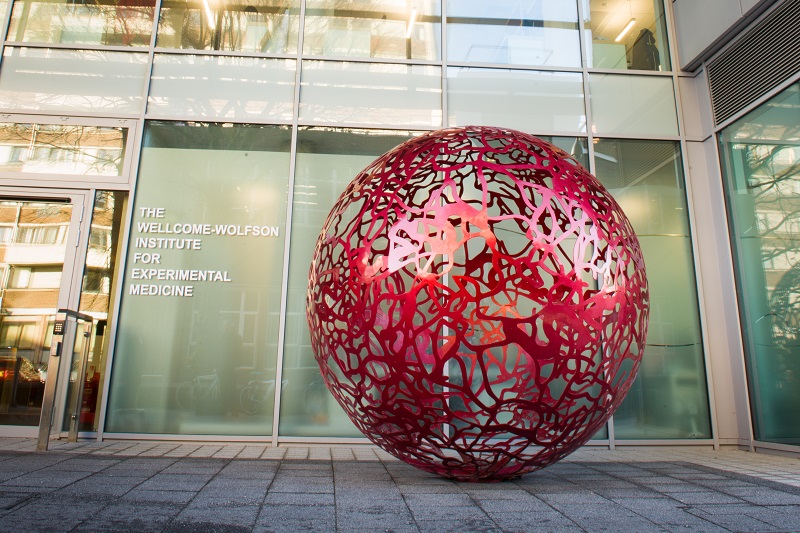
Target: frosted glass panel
(198,331)
(375,94)
(669,398)
(327,160)
(647,180)
(3,7)
(519,99)
(633,105)
(518,32)
(674,319)
(67,81)
(222,87)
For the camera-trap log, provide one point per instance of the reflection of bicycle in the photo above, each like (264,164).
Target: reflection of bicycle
(316,399)
(256,394)
(190,393)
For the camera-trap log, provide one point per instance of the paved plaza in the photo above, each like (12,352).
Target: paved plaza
(235,488)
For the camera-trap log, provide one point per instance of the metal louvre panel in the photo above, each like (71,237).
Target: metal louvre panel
(764,57)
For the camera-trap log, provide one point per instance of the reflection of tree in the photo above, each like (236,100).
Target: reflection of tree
(107,22)
(369,28)
(252,26)
(772,179)
(64,149)
(106,223)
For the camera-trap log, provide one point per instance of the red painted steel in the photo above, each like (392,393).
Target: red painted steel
(477,303)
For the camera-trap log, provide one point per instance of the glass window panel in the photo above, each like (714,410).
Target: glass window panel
(761,169)
(626,35)
(45,278)
(3,8)
(327,160)
(371,93)
(517,32)
(82,22)
(222,87)
(71,81)
(201,297)
(634,105)
(520,99)
(99,272)
(256,26)
(669,398)
(373,28)
(62,149)
(576,147)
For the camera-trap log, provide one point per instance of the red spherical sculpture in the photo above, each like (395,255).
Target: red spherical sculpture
(477,303)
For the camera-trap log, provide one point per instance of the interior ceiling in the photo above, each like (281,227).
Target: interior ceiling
(608,17)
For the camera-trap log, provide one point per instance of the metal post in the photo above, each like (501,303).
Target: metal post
(49,399)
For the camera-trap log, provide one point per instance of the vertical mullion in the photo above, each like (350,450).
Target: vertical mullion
(288,225)
(133,169)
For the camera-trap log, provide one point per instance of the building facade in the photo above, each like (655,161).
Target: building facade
(165,168)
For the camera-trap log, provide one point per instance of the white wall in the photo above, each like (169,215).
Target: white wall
(702,26)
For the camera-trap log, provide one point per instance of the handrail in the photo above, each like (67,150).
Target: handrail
(76,314)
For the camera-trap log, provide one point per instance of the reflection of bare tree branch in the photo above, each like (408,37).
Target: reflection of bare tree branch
(62,148)
(111,22)
(773,180)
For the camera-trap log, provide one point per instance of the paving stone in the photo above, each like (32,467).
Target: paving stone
(786,518)
(91,487)
(286,498)
(195,466)
(475,525)
(10,500)
(162,481)
(763,495)
(124,518)
(373,520)
(286,484)
(237,515)
(577,497)
(441,500)
(51,480)
(83,464)
(737,522)
(529,505)
(539,521)
(707,497)
(296,518)
(454,514)
(159,496)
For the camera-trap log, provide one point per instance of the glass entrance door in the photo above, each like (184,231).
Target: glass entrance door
(38,243)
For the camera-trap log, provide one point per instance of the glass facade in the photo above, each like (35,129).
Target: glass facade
(761,166)
(252,117)
(206,252)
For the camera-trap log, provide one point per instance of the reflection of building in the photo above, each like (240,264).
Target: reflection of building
(165,169)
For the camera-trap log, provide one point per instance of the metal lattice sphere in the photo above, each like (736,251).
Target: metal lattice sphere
(477,303)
